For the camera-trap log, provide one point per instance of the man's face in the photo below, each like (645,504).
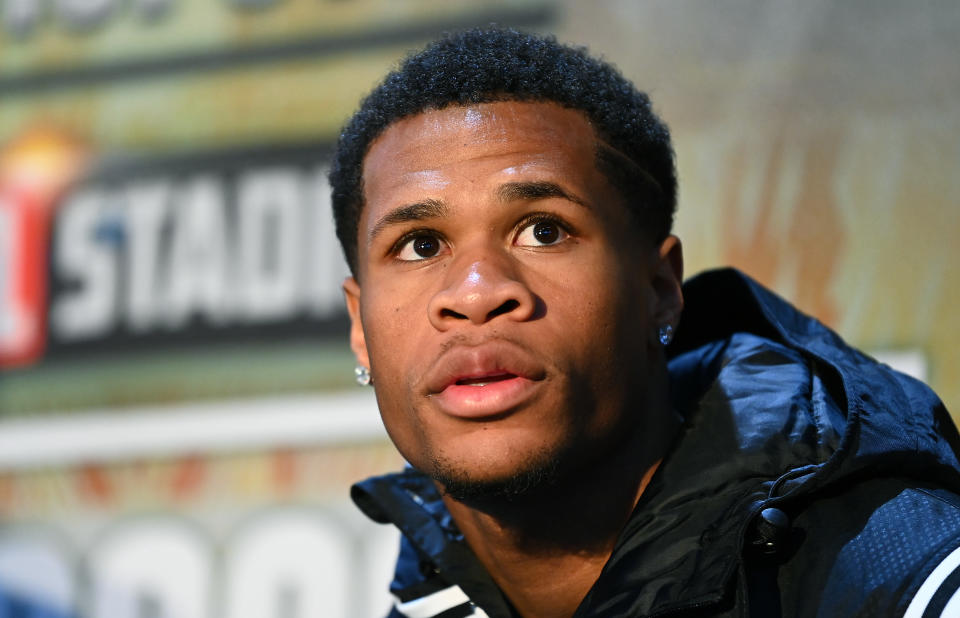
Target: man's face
(506,300)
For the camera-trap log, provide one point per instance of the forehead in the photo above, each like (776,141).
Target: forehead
(435,143)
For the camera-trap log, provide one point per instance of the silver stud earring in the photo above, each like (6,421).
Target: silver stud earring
(665,334)
(362,375)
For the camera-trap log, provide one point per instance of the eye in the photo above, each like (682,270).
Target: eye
(541,233)
(419,246)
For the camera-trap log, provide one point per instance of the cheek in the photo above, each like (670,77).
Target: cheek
(393,320)
(392,346)
(613,318)
(601,299)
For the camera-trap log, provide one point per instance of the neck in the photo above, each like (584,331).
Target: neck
(546,549)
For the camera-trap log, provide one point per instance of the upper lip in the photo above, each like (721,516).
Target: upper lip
(485,360)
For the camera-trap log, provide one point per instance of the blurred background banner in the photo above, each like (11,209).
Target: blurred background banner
(178,426)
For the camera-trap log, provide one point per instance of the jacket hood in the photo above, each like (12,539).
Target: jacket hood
(887,421)
(777,409)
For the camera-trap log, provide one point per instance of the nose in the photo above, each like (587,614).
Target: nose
(480,291)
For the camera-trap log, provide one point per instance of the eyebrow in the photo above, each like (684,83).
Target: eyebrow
(508,192)
(419,211)
(536,190)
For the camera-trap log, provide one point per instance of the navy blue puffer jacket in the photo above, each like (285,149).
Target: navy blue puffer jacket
(808,480)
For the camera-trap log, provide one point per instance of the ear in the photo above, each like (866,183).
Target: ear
(667,279)
(358,341)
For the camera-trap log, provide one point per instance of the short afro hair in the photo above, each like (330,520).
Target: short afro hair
(493,64)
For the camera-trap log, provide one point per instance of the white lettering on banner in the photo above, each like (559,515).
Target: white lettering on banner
(34,567)
(269,217)
(147,209)
(85,14)
(317,237)
(20,17)
(289,565)
(160,564)
(197,273)
(86,256)
(152,9)
(251,4)
(257,249)
(285,562)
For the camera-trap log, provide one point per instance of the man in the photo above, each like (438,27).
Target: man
(505,204)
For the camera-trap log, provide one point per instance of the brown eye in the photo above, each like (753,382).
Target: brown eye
(426,246)
(546,232)
(420,247)
(542,233)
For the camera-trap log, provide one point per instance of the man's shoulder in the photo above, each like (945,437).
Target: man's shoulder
(876,548)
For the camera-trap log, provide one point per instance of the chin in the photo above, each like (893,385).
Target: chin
(537,472)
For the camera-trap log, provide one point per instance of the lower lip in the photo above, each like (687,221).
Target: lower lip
(491,399)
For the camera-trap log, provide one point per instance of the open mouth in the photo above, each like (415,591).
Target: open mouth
(483,381)
(477,395)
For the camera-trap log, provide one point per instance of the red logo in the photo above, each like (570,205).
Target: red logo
(34,171)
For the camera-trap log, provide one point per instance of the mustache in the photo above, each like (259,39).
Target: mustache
(462,340)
